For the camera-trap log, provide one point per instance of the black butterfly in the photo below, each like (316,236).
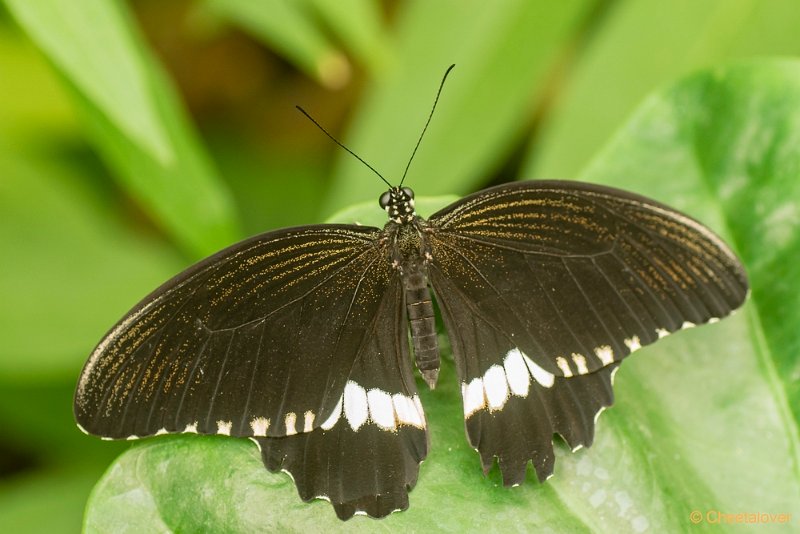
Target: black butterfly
(299,338)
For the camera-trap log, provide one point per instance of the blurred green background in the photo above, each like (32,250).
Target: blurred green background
(137,137)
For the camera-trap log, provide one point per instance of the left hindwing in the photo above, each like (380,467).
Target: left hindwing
(544,286)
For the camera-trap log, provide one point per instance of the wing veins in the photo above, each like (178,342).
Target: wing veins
(296,299)
(480,273)
(288,381)
(219,378)
(676,289)
(555,308)
(128,361)
(339,334)
(124,366)
(712,294)
(190,377)
(614,288)
(589,301)
(352,300)
(491,243)
(252,379)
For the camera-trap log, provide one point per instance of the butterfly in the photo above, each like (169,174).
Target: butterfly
(302,339)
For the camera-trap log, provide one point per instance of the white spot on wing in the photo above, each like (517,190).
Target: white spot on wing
(605,354)
(381,411)
(662,332)
(687,324)
(473,395)
(308,421)
(406,411)
(517,374)
(494,382)
(260,425)
(82,429)
(712,320)
(633,343)
(544,378)
(420,411)
(563,364)
(333,418)
(161,431)
(580,363)
(290,421)
(355,405)
(132,437)
(224,427)
(191,429)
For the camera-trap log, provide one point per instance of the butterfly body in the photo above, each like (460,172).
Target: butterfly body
(410,255)
(299,338)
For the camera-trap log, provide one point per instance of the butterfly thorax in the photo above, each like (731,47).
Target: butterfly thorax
(409,255)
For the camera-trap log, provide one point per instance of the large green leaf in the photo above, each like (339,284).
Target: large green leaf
(703,419)
(133,116)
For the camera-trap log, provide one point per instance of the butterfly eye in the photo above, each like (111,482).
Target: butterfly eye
(408,192)
(385,199)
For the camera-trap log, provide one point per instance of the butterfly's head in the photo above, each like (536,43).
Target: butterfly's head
(399,204)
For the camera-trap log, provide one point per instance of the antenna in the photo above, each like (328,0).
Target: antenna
(341,145)
(370,167)
(439,92)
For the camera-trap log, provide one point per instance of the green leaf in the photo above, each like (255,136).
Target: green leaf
(703,420)
(36,415)
(133,116)
(357,23)
(637,46)
(289,28)
(75,266)
(33,100)
(102,64)
(503,52)
(45,501)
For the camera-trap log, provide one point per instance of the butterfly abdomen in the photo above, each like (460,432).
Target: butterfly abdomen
(423,323)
